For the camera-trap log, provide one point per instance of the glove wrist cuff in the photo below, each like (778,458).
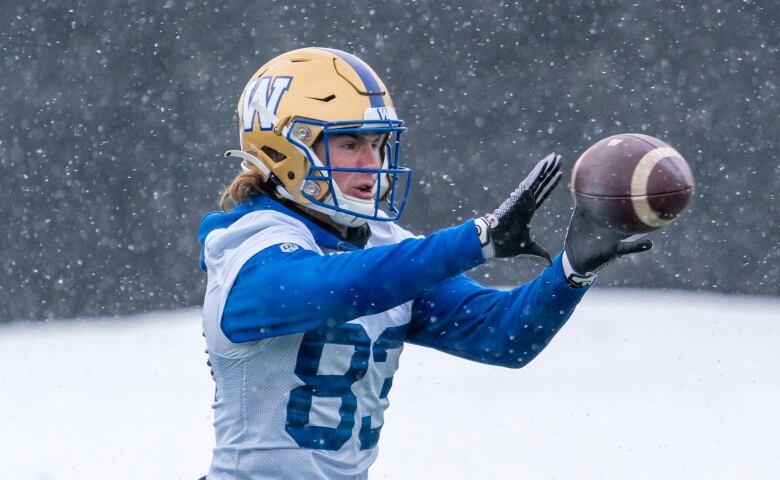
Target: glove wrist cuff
(485,237)
(574,278)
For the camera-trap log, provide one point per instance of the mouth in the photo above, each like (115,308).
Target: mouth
(364,191)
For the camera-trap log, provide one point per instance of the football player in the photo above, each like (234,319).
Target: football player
(313,289)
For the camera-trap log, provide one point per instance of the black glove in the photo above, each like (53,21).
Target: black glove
(507,231)
(589,247)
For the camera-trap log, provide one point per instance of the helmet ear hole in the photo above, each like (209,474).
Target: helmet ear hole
(275,155)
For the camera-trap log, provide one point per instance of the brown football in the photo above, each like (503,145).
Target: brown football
(632,183)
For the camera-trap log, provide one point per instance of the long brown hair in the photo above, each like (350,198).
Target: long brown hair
(241,188)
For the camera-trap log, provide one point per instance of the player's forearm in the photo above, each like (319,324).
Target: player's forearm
(507,328)
(533,329)
(302,291)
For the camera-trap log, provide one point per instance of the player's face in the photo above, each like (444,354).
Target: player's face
(353,151)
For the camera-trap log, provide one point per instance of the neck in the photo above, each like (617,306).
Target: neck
(357,236)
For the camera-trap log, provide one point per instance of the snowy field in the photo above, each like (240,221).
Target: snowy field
(638,385)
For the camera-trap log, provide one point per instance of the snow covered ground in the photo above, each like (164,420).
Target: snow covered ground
(640,385)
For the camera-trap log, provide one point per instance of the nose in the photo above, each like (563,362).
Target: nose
(369,157)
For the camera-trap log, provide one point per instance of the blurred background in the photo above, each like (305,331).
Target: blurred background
(115,116)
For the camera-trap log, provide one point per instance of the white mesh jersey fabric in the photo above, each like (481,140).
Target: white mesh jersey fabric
(308,405)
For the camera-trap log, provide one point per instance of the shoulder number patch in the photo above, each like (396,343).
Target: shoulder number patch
(288,247)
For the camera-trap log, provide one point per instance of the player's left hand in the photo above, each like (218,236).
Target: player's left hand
(506,232)
(589,247)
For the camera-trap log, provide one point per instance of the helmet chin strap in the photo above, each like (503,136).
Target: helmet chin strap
(348,220)
(342,218)
(345,202)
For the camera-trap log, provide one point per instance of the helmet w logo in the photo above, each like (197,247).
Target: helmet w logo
(265,92)
(380,113)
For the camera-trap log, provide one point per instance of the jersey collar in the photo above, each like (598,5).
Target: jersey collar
(325,235)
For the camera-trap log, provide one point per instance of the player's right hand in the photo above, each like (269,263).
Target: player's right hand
(506,232)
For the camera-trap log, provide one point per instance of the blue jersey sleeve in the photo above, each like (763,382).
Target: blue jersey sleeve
(277,293)
(507,328)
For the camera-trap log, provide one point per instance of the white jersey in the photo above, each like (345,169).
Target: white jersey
(307,405)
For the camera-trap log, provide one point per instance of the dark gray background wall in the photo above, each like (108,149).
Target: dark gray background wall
(114,116)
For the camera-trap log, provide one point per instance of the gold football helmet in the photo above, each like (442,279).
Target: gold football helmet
(301,97)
